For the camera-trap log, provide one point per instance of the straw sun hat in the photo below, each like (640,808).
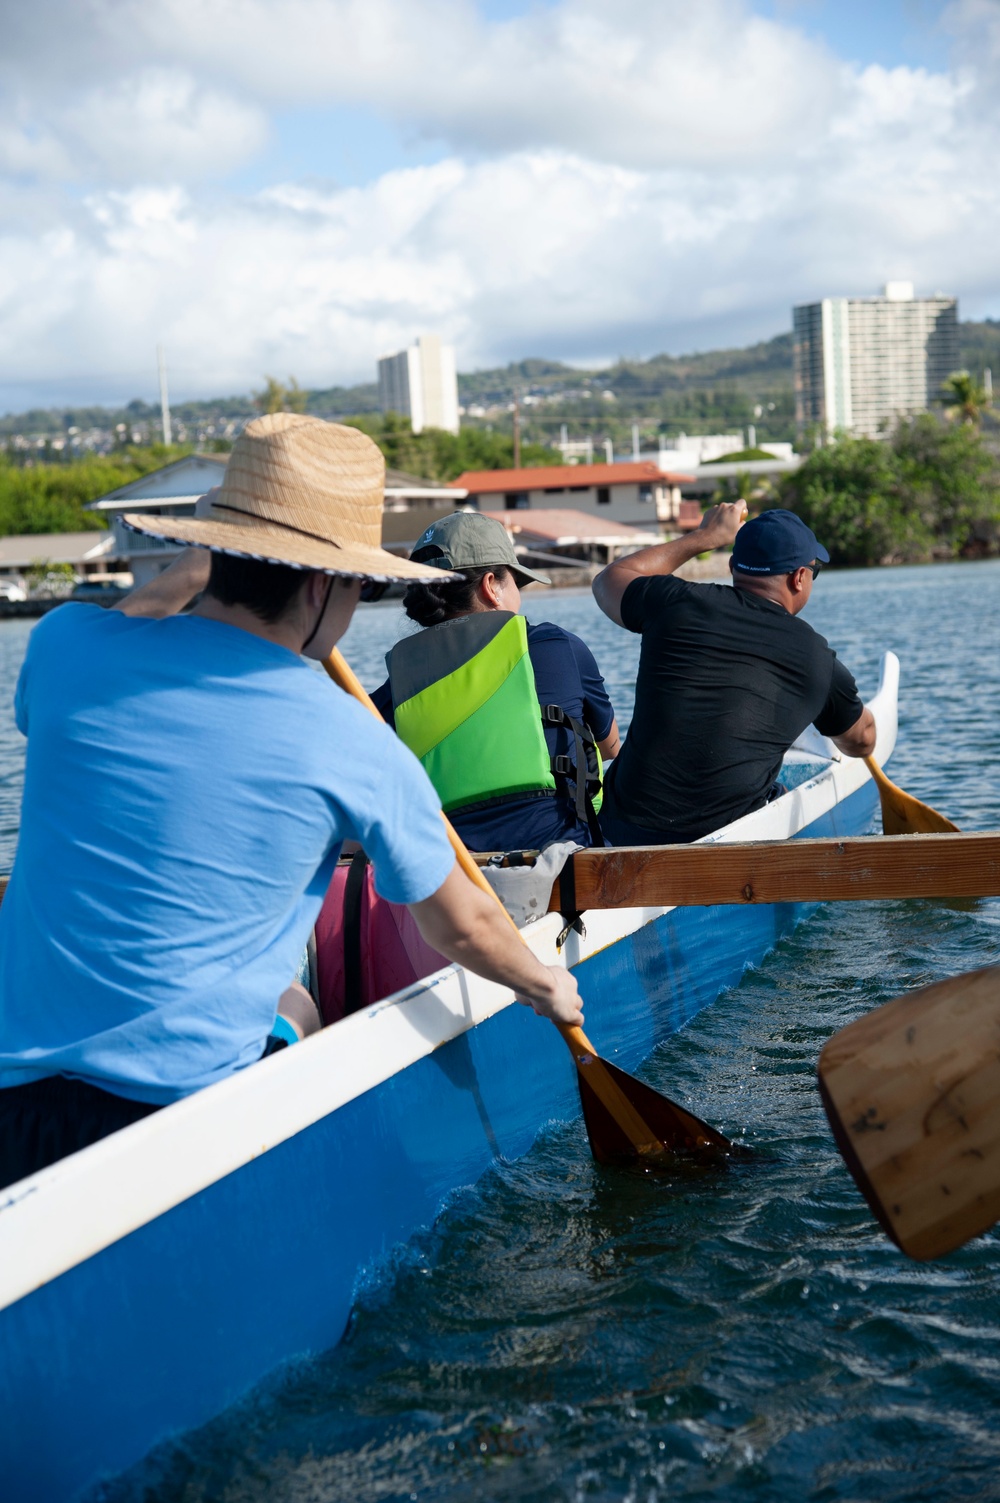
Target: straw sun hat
(297,491)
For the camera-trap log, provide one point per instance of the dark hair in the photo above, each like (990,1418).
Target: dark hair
(428,604)
(266,589)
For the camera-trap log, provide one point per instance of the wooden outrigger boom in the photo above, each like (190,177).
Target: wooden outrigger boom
(863,869)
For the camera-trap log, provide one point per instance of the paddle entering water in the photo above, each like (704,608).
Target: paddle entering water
(627,1122)
(902,814)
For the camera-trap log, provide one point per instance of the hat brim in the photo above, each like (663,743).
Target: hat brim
(272,544)
(527,576)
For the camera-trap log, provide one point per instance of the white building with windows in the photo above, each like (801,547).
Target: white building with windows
(861,363)
(421,383)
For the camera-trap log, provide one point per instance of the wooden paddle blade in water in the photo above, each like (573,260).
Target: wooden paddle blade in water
(902,814)
(912,1092)
(671,1129)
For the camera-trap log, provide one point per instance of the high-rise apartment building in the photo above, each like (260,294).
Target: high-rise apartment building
(420,383)
(862,362)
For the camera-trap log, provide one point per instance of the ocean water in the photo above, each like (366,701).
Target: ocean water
(565,1332)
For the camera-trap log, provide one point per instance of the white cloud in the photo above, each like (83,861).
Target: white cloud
(652,83)
(676,177)
(161,123)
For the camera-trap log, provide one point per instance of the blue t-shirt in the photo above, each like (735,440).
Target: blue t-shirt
(566,674)
(187,789)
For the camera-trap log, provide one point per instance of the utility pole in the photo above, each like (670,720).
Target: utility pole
(635,441)
(164,399)
(517,427)
(988,385)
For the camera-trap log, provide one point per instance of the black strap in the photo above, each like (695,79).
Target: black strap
(255,516)
(354,889)
(583,773)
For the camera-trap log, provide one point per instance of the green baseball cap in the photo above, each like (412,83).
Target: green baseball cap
(468,540)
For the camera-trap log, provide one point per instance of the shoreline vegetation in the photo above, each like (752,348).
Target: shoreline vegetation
(929,491)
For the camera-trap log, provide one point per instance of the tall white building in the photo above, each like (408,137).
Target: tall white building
(420,383)
(862,362)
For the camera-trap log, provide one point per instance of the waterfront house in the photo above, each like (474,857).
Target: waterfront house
(88,554)
(564,536)
(411,505)
(638,493)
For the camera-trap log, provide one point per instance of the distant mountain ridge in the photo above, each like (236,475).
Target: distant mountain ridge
(713,387)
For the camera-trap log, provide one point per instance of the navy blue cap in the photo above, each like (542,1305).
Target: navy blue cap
(776,542)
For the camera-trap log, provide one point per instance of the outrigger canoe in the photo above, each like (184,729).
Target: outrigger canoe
(145,1282)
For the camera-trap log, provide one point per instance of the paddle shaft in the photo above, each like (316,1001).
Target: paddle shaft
(583,1052)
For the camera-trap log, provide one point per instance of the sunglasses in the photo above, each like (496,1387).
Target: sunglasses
(815,567)
(373,589)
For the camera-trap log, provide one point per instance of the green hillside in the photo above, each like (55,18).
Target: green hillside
(711,391)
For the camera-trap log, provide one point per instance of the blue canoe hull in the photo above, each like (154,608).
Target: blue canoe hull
(167,1326)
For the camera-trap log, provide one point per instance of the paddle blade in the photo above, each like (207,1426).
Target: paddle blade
(902,814)
(912,1092)
(671,1129)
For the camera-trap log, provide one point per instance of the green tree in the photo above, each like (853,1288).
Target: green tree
(847,492)
(275,396)
(51,497)
(963,398)
(271,397)
(931,491)
(951,479)
(437,455)
(295,396)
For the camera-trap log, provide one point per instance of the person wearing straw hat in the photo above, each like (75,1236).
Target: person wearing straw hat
(189,782)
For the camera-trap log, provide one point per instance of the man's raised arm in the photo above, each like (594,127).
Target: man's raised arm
(173,589)
(719,527)
(179,583)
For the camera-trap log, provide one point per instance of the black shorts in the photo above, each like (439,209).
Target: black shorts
(49,1119)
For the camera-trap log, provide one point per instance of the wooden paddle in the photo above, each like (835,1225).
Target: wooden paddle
(627,1122)
(902,814)
(912,1092)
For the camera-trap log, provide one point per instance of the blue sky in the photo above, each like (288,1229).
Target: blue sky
(298,186)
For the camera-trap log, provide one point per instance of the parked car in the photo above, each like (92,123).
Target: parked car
(12,589)
(99,592)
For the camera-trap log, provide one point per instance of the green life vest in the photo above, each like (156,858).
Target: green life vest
(465,702)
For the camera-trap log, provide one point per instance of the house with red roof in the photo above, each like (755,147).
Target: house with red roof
(638,494)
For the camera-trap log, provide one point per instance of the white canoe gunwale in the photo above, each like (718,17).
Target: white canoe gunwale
(55,1221)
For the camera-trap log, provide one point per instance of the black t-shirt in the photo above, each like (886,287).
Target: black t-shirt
(726,683)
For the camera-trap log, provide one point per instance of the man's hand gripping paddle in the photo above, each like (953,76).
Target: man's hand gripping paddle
(627,1122)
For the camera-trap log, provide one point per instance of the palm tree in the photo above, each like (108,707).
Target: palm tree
(964,398)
